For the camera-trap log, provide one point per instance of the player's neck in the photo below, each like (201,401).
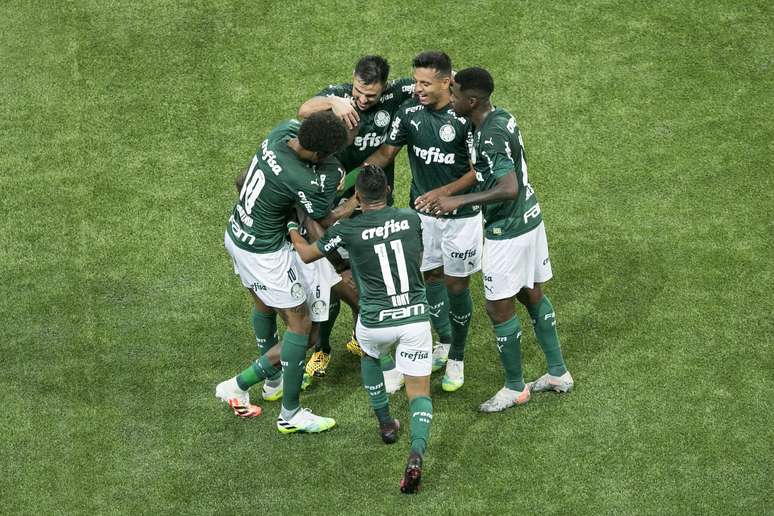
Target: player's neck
(480,113)
(373,206)
(441,104)
(302,153)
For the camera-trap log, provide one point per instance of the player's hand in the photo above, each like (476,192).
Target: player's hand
(425,202)
(345,109)
(443,205)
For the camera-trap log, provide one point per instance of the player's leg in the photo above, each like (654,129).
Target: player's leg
(414,360)
(460,311)
(265,329)
(543,315)
(462,250)
(257,275)
(292,417)
(438,302)
(435,287)
(508,339)
(374,343)
(503,278)
(234,391)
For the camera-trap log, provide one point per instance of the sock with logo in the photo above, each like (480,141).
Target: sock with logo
(387,362)
(421,410)
(460,310)
(438,299)
(373,381)
(259,370)
(508,336)
(326,327)
(544,321)
(265,329)
(292,357)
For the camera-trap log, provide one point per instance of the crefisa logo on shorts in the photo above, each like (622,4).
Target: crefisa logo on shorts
(416,355)
(258,286)
(469,253)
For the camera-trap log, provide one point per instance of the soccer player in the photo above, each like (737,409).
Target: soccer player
(385,248)
(436,139)
(293,166)
(516,262)
(367,104)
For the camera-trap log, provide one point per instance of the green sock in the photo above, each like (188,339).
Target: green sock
(438,299)
(421,409)
(292,357)
(460,310)
(544,321)
(326,327)
(265,329)
(388,363)
(509,346)
(373,381)
(259,370)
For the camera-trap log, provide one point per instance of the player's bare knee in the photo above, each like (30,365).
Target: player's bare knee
(500,311)
(456,285)
(298,319)
(434,275)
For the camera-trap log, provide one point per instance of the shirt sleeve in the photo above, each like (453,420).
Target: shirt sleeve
(498,153)
(336,90)
(399,130)
(403,88)
(332,239)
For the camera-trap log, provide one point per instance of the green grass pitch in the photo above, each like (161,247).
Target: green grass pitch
(648,129)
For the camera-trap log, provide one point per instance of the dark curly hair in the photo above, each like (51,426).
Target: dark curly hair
(323,133)
(371,184)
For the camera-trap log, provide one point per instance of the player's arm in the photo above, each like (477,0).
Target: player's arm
(505,189)
(308,252)
(423,202)
(383,156)
(240,180)
(341,107)
(342,211)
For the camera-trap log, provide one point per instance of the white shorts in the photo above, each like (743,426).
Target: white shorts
(454,244)
(279,281)
(514,263)
(414,354)
(318,278)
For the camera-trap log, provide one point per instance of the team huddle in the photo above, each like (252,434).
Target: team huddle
(314,225)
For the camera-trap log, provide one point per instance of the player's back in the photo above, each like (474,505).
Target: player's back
(277,180)
(498,149)
(385,250)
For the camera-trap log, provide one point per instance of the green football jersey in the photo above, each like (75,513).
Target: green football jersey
(437,142)
(276,182)
(385,251)
(497,150)
(374,122)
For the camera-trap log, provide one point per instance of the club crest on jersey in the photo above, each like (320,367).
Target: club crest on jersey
(382,118)
(297,291)
(447,133)
(318,307)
